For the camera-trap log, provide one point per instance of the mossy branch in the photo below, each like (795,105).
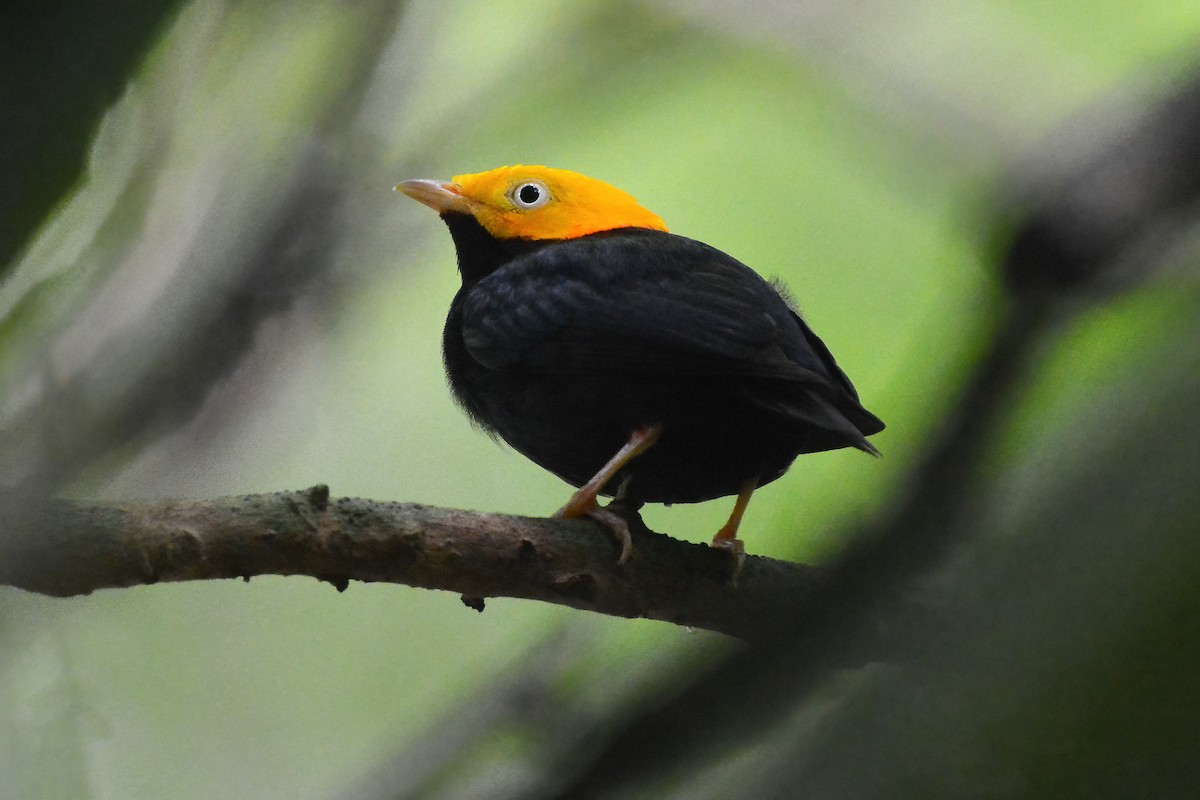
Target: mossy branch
(65,548)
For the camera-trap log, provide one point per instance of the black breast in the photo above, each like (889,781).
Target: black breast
(563,348)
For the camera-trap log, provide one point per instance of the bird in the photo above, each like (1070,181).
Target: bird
(629,361)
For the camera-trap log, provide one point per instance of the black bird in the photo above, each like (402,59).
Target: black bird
(624,359)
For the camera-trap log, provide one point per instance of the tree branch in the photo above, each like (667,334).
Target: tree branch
(65,548)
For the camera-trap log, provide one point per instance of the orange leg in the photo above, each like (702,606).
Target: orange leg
(583,502)
(726,538)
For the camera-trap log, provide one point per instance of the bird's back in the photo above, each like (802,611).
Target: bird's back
(568,345)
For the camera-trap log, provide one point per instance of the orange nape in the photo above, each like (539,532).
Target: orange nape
(534,202)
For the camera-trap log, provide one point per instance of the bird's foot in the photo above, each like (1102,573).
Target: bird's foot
(588,507)
(727,538)
(736,549)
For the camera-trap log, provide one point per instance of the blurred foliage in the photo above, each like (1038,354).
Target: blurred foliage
(64,65)
(230,299)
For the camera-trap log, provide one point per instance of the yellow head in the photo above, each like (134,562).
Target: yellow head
(534,202)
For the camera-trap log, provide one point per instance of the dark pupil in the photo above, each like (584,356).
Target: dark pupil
(529,194)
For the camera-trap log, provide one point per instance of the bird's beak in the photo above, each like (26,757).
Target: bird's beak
(441,196)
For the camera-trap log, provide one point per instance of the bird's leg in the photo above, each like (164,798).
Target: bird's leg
(584,499)
(583,502)
(726,538)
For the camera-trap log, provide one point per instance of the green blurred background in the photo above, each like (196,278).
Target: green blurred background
(230,299)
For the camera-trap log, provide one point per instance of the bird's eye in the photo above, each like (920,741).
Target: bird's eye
(530,194)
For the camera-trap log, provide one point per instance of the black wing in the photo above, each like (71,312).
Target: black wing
(667,305)
(652,302)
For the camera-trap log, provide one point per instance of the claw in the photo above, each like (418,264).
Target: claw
(584,504)
(737,550)
(726,538)
(609,519)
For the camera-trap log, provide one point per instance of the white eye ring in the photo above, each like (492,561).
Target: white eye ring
(529,195)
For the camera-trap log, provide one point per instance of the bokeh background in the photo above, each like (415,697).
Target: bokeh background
(209,288)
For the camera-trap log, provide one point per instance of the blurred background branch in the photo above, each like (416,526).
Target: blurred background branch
(158,321)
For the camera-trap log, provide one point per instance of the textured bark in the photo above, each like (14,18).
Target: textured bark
(65,548)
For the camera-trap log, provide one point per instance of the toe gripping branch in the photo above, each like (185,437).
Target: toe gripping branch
(584,502)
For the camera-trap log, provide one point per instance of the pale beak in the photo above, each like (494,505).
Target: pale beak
(441,196)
